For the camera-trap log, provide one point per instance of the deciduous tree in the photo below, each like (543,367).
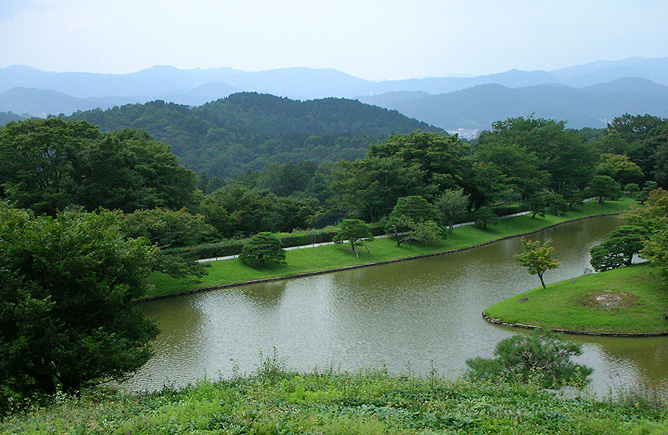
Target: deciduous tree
(536,257)
(67,316)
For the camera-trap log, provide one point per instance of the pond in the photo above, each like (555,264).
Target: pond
(413,316)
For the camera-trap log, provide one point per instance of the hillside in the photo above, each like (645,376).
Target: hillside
(248,130)
(480,106)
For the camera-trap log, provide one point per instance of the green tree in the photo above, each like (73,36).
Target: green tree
(603,186)
(485,216)
(537,258)
(520,168)
(369,188)
(563,153)
(618,248)
(620,168)
(263,249)
(354,231)
(410,216)
(539,358)
(38,160)
(67,312)
(443,160)
(452,204)
(653,218)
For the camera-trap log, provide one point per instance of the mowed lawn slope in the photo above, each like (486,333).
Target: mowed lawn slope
(631,299)
(330,257)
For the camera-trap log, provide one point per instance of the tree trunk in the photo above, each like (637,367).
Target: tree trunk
(540,275)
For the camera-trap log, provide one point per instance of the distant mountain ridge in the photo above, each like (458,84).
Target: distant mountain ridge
(478,107)
(25,90)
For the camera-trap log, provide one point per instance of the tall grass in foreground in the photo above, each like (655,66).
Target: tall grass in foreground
(276,401)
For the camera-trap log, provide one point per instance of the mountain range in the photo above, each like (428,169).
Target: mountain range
(585,95)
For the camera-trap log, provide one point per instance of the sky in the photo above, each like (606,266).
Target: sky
(370,39)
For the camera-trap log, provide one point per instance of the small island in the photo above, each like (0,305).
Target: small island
(625,301)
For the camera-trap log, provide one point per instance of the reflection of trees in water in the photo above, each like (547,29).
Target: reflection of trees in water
(265,295)
(647,354)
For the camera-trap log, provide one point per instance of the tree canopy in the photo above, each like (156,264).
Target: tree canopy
(67,317)
(50,164)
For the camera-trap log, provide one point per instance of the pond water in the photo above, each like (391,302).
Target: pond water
(412,316)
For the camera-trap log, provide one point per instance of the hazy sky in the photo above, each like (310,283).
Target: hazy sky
(371,39)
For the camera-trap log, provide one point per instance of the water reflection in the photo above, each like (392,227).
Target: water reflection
(423,313)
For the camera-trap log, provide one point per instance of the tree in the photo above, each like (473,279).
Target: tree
(408,213)
(485,216)
(537,258)
(541,358)
(618,248)
(67,312)
(563,153)
(49,164)
(369,188)
(443,160)
(620,168)
(38,159)
(354,231)
(263,249)
(653,218)
(603,186)
(452,204)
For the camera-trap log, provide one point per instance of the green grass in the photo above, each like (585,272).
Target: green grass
(626,300)
(330,257)
(274,401)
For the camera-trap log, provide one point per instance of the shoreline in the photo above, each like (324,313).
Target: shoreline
(358,266)
(495,321)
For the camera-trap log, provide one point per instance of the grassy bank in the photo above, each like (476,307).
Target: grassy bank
(275,402)
(627,300)
(329,257)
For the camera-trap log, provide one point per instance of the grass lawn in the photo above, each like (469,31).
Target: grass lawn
(330,257)
(627,300)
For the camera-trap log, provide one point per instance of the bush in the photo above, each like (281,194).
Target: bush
(263,249)
(540,358)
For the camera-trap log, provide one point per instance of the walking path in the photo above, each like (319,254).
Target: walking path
(315,245)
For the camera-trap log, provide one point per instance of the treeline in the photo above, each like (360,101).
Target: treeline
(522,163)
(247,131)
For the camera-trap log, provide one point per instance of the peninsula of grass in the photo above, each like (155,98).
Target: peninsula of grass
(275,401)
(332,257)
(628,300)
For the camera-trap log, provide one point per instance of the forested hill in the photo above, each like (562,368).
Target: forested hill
(249,130)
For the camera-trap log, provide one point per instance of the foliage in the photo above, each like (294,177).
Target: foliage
(562,153)
(485,216)
(452,204)
(536,257)
(604,187)
(540,358)
(384,249)
(441,159)
(169,229)
(427,232)
(354,231)
(279,401)
(618,248)
(369,188)
(67,315)
(263,249)
(410,213)
(237,210)
(247,131)
(653,218)
(620,168)
(50,164)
